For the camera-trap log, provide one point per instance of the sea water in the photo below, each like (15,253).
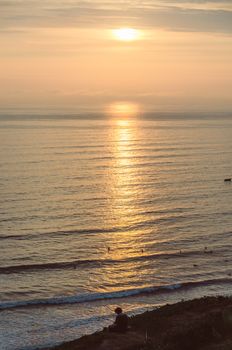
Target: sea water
(96,213)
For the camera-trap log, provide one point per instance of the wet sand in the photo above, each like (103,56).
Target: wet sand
(199,324)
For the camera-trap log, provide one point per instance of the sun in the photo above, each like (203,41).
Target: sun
(126,34)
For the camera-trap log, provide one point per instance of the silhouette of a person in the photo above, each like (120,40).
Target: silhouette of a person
(121,322)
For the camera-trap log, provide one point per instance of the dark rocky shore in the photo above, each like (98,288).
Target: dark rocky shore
(200,324)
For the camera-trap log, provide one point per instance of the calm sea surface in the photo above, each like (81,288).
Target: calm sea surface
(96,213)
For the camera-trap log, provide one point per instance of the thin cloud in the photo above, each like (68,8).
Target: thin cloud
(175,15)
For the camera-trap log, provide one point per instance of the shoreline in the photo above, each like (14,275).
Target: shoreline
(198,324)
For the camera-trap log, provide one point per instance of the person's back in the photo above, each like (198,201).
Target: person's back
(121,322)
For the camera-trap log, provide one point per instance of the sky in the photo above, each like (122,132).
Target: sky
(64,55)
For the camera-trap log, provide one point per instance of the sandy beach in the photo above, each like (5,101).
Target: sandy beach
(199,324)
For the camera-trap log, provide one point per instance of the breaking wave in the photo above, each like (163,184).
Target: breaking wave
(92,297)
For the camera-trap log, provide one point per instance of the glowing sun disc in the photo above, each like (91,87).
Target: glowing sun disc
(126,34)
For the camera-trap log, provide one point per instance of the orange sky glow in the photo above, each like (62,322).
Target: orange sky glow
(165,56)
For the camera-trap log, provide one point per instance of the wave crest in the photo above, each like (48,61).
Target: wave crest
(91,297)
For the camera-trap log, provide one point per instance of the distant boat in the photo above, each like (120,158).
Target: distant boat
(227,180)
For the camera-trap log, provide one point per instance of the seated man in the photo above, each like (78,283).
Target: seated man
(121,322)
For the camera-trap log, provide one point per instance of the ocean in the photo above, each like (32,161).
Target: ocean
(98,212)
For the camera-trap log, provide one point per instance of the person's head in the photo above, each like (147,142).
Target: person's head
(118,310)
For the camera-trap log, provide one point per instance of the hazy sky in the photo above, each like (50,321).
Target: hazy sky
(62,54)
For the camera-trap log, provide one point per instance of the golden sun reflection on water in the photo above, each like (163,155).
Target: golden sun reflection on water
(125,210)
(125,190)
(122,206)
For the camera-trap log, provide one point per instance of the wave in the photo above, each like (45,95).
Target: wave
(95,263)
(59,233)
(92,297)
(49,266)
(170,217)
